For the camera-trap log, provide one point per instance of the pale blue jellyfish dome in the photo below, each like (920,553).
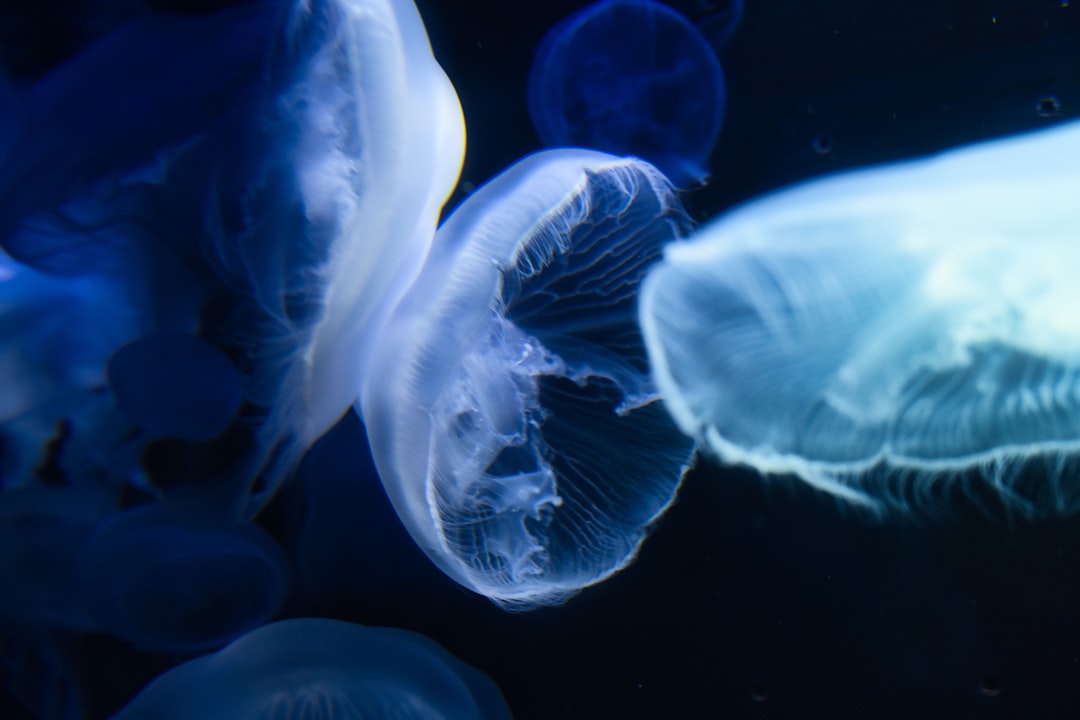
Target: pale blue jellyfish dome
(880,332)
(630,77)
(509,407)
(316,669)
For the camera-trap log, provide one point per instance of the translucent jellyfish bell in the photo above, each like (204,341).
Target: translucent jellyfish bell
(630,77)
(170,586)
(917,318)
(364,142)
(509,407)
(315,669)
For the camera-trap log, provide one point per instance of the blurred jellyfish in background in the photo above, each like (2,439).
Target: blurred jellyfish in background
(168,586)
(510,410)
(42,531)
(630,77)
(716,20)
(879,333)
(57,334)
(315,669)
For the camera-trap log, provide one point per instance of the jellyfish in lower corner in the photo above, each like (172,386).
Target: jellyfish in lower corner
(883,333)
(509,406)
(630,77)
(314,669)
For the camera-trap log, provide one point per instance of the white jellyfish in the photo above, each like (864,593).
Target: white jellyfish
(509,406)
(877,333)
(363,141)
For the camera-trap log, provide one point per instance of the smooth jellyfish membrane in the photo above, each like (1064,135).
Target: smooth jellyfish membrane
(42,530)
(880,333)
(630,77)
(317,669)
(169,586)
(109,117)
(361,139)
(57,335)
(509,408)
(174,385)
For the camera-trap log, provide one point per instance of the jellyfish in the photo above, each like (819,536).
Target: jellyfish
(139,93)
(166,585)
(58,333)
(42,529)
(358,142)
(510,411)
(630,77)
(317,668)
(716,20)
(175,386)
(880,333)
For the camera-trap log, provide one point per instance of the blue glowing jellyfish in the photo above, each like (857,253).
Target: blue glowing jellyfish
(42,529)
(880,332)
(314,669)
(362,140)
(170,586)
(57,334)
(509,409)
(175,386)
(630,77)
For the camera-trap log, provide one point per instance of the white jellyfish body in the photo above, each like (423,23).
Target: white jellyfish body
(918,318)
(360,141)
(509,408)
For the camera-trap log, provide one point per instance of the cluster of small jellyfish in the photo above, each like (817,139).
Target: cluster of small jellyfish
(237,244)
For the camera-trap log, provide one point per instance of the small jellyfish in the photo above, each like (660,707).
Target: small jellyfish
(509,407)
(170,586)
(880,332)
(317,669)
(175,386)
(630,77)
(42,529)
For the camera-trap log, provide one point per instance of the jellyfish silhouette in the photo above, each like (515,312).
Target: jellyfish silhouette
(57,334)
(630,77)
(42,529)
(315,668)
(880,333)
(175,386)
(169,586)
(509,408)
